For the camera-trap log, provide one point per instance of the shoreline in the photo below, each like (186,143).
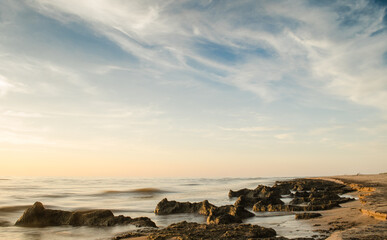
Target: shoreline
(364,218)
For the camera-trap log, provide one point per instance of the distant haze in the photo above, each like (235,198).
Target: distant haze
(192,88)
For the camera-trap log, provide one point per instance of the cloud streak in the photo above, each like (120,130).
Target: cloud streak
(305,42)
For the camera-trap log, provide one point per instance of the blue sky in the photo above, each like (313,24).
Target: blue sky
(193,88)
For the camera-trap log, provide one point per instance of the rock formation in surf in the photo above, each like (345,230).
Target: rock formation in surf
(195,231)
(39,216)
(308,195)
(216,215)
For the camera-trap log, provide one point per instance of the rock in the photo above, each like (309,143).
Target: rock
(194,231)
(232,210)
(291,208)
(223,219)
(249,197)
(223,214)
(310,195)
(307,215)
(38,216)
(165,207)
(315,185)
(299,200)
(259,192)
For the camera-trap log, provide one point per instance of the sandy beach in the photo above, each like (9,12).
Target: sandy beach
(361,219)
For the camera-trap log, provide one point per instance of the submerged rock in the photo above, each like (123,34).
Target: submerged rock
(307,215)
(39,216)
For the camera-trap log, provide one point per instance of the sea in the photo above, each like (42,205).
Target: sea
(132,197)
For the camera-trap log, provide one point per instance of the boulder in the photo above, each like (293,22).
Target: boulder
(39,216)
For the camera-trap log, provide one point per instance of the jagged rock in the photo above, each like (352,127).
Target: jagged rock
(223,219)
(291,208)
(165,207)
(249,197)
(314,195)
(39,216)
(315,185)
(215,214)
(259,192)
(299,200)
(258,207)
(307,215)
(194,231)
(232,210)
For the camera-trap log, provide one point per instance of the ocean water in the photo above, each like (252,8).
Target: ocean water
(126,196)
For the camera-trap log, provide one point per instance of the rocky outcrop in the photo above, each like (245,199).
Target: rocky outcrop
(216,215)
(39,216)
(165,207)
(314,185)
(263,194)
(195,231)
(307,215)
(291,208)
(259,192)
(318,199)
(310,195)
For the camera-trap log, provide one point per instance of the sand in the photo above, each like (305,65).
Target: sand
(363,219)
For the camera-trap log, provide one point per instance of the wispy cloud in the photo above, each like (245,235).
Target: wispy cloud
(306,42)
(284,136)
(250,129)
(10,113)
(5,86)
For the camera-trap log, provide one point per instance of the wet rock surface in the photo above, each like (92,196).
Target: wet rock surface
(307,215)
(216,215)
(39,216)
(165,207)
(195,231)
(307,194)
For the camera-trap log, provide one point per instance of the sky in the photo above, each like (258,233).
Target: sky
(192,88)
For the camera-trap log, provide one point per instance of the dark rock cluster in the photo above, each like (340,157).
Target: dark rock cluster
(307,194)
(39,216)
(195,231)
(215,215)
